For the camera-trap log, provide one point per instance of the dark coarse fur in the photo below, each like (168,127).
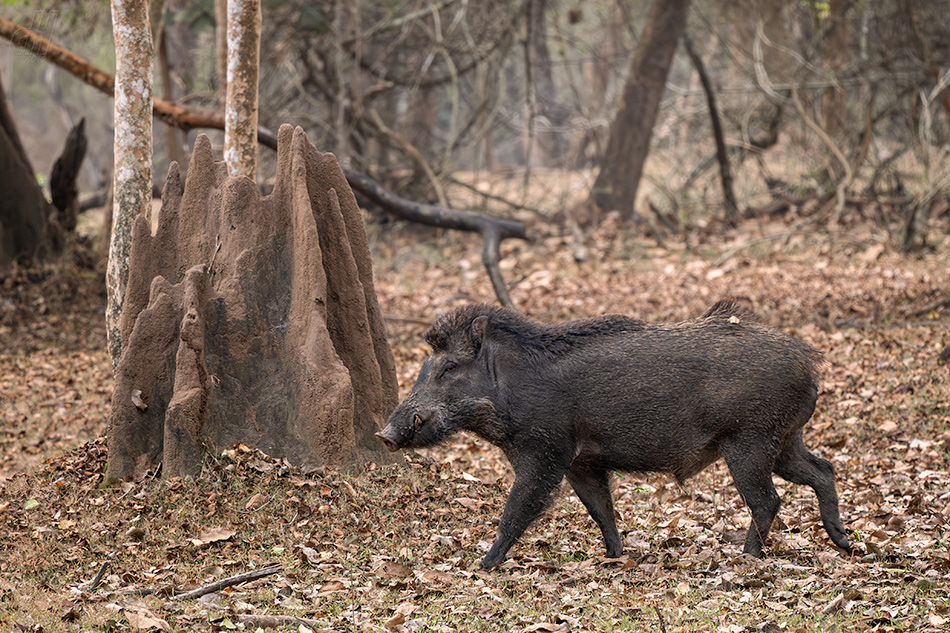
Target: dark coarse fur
(582,398)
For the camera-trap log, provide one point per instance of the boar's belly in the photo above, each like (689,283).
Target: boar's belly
(680,451)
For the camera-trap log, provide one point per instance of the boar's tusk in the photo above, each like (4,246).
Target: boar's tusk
(416,423)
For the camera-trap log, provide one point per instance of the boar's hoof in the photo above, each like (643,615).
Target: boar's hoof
(388,443)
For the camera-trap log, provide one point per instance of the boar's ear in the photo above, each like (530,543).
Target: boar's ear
(477,331)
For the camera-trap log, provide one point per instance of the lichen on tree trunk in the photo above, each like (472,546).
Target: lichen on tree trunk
(251,319)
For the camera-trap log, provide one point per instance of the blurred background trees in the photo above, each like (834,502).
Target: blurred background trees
(826,108)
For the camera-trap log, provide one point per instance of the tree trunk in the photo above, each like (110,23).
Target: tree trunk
(240,113)
(24,211)
(251,320)
(616,185)
(132,174)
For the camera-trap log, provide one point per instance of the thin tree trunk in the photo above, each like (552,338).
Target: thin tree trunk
(160,46)
(616,185)
(221,46)
(132,176)
(835,45)
(722,154)
(545,103)
(172,140)
(240,114)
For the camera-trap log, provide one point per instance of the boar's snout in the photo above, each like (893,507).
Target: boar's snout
(400,430)
(387,441)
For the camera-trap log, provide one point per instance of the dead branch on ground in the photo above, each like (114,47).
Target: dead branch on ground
(230,581)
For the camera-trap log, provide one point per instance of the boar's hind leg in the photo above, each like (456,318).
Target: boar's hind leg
(750,464)
(797,465)
(593,488)
(530,495)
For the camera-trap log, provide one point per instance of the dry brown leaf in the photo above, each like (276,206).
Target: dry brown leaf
(309,555)
(403,611)
(434,575)
(467,502)
(332,585)
(255,502)
(888,427)
(548,626)
(397,620)
(834,606)
(392,569)
(143,619)
(213,536)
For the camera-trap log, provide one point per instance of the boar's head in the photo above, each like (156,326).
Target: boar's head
(453,389)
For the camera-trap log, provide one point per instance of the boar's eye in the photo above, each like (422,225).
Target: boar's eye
(449,367)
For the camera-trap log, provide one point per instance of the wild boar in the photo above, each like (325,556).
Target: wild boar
(582,398)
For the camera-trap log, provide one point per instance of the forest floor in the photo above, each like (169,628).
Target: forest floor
(396,546)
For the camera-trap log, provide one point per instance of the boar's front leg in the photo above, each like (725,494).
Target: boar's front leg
(535,483)
(592,485)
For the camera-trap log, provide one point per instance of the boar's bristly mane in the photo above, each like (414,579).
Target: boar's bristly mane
(514,328)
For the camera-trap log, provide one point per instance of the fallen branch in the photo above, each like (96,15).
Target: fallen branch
(230,581)
(493,230)
(930,307)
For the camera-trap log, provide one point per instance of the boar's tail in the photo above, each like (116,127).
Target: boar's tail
(728,308)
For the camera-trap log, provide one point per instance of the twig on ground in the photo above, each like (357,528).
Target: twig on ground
(930,307)
(100,575)
(659,616)
(230,581)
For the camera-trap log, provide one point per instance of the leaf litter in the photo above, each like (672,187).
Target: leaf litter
(396,547)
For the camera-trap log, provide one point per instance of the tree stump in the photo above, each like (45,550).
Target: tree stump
(251,319)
